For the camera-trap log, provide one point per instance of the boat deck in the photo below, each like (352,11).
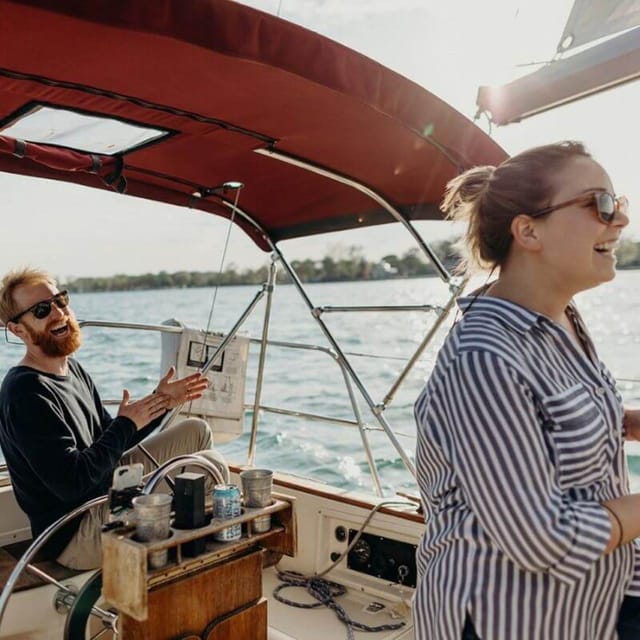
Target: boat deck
(292,623)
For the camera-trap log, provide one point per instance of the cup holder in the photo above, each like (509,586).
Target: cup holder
(135,537)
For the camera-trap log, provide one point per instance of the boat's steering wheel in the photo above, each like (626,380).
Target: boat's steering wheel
(81,617)
(83,610)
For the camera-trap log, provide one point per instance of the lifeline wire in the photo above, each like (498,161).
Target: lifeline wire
(325,590)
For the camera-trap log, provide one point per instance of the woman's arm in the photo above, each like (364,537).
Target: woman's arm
(631,424)
(624,513)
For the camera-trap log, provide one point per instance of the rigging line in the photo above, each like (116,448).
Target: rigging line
(378,356)
(412,436)
(222,261)
(207,332)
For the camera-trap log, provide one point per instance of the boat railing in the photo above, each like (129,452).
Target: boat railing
(352,380)
(357,422)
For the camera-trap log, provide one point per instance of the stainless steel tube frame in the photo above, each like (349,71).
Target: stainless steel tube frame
(271,283)
(36,545)
(191,460)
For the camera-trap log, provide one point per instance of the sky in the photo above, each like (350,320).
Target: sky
(449,47)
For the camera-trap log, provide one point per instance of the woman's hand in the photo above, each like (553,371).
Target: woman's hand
(631,424)
(179,391)
(143,411)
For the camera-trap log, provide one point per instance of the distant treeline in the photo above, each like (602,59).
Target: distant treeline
(343,264)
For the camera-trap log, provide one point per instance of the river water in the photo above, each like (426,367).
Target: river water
(310,381)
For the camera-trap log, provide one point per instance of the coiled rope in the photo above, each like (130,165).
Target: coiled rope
(325,591)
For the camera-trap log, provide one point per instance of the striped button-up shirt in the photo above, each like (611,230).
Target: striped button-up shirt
(519,441)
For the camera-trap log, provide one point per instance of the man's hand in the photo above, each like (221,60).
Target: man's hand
(179,391)
(631,424)
(143,411)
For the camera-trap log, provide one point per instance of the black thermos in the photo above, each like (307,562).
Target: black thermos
(189,508)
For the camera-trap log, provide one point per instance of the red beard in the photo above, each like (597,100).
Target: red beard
(57,347)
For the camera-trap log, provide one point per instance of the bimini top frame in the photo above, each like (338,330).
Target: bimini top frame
(323,138)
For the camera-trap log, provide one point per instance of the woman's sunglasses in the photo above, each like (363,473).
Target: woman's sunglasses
(606,204)
(43,308)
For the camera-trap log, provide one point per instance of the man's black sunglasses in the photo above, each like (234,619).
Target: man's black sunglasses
(43,308)
(606,204)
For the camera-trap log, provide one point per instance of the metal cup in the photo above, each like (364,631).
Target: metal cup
(152,514)
(256,491)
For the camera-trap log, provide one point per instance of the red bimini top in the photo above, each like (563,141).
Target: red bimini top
(322,138)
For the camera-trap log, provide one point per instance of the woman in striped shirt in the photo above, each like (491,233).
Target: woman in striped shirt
(529,522)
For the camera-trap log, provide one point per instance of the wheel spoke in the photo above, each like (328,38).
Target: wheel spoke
(101,632)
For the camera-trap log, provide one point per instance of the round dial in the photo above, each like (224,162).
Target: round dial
(361,553)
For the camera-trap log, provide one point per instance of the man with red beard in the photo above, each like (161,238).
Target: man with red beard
(60,443)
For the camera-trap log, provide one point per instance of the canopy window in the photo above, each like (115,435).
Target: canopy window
(80,131)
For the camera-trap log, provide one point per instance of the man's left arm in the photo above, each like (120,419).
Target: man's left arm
(182,390)
(178,392)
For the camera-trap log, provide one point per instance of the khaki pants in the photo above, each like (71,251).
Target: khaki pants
(189,436)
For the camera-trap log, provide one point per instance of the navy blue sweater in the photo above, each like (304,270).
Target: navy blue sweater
(60,444)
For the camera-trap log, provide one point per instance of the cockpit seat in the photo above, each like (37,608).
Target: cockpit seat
(11,554)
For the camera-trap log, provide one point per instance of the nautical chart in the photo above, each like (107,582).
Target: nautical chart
(223,401)
(225,395)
